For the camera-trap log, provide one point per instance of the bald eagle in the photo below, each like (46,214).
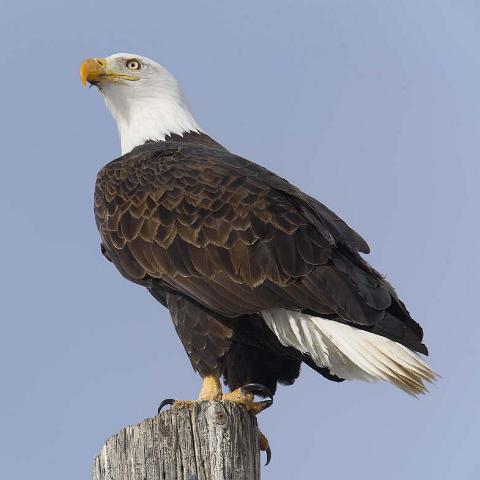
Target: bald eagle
(258,276)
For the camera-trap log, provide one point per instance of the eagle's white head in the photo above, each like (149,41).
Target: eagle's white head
(144,98)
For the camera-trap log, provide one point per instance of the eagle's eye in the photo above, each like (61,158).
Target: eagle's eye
(133,64)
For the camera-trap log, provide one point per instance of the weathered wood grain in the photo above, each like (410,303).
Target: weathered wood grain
(210,441)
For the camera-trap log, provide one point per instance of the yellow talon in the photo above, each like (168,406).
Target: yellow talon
(238,396)
(245,396)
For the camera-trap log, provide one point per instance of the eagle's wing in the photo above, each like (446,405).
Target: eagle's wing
(237,239)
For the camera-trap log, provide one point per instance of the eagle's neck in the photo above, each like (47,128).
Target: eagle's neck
(143,118)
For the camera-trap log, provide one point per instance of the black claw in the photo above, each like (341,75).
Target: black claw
(265,404)
(257,388)
(268,451)
(167,401)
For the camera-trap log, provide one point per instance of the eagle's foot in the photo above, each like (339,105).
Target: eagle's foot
(245,396)
(265,446)
(212,390)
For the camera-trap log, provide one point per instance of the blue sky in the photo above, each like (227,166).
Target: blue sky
(373,107)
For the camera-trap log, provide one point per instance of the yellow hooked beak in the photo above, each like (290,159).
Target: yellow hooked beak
(95,70)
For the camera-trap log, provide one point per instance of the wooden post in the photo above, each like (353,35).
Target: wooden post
(210,441)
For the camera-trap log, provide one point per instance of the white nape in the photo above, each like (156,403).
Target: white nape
(349,352)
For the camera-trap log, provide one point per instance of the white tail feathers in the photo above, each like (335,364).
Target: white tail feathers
(349,352)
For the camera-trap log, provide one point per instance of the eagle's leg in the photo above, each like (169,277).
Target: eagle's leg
(211,388)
